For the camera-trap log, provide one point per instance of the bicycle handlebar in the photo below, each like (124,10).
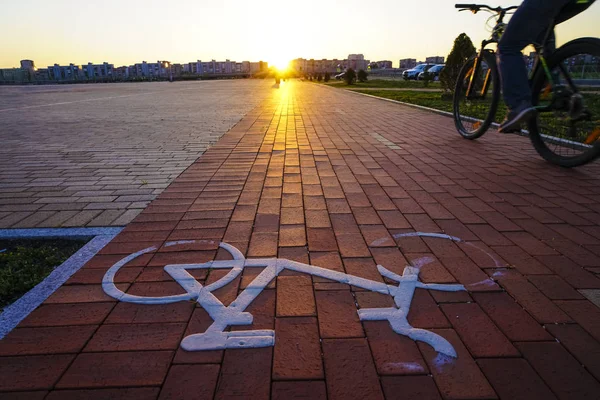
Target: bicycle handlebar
(477,7)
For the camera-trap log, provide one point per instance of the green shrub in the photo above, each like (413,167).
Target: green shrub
(461,51)
(349,76)
(327,77)
(362,75)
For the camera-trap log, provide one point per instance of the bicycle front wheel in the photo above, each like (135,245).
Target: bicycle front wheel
(475,109)
(567,129)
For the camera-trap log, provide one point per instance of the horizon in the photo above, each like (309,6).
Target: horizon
(269,31)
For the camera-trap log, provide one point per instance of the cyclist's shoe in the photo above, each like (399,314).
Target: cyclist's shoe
(515,118)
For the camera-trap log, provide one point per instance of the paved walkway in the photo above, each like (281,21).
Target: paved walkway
(96,155)
(340,181)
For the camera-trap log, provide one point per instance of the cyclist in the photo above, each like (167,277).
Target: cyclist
(528,25)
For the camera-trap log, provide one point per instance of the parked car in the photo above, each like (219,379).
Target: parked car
(433,71)
(340,76)
(414,72)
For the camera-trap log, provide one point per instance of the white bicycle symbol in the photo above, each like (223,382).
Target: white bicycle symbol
(215,337)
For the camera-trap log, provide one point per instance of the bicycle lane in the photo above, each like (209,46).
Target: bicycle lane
(331,184)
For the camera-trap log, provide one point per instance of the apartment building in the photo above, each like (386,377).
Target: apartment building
(408,63)
(434,60)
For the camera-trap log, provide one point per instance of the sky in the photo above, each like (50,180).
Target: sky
(125,32)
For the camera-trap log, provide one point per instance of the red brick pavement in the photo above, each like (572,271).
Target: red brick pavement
(327,177)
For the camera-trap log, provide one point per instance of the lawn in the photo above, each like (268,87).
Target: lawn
(384,83)
(26,262)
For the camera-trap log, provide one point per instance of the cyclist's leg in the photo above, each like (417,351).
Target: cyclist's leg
(528,23)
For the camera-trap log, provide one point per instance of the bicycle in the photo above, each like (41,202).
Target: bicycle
(565,87)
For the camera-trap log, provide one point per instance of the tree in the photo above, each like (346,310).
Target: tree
(349,76)
(461,51)
(362,75)
(327,77)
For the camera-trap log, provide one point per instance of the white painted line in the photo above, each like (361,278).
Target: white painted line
(57,232)
(17,311)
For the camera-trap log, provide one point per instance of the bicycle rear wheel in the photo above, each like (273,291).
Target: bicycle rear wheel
(474,114)
(567,129)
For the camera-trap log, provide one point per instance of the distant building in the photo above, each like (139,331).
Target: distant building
(434,60)
(334,66)
(381,64)
(70,72)
(28,64)
(408,63)
(357,62)
(104,71)
(144,70)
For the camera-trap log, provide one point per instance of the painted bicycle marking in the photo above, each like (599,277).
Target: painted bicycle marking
(216,338)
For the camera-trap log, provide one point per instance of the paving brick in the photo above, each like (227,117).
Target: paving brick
(82,294)
(102,394)
(585,313)
(292,235)
(338,317)
(393,354)
(563,374)
(391,258)
(456,378)
(512,320)
(349,370)
(393,219)
(489,235)
(129,313)
(321,239)
(68,314)
(295,296)
(25,341)
(299,254)
(90,370)
(245,374)
(263,245)
(37,395)
(456,228)
(352,245)
(263,311)
(469,274)
(430,268)
(190,382)
(291,216)
(522,261)
(554,287)
(181,257)
(574,274)
(410,387)
(291,390)
(297,351)
(580,344)
(366,216)
(87,276)
(478,332)
(422,223)
(327,260)
(425,313)
(198,323)
(515,379)
(529,297)
(135,337)
(32,372)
